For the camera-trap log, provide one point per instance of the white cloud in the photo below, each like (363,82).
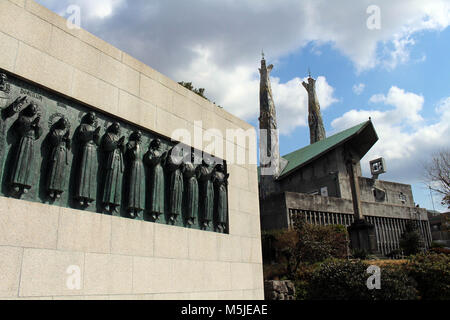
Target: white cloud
(238,90)
(407,105)
(443,106)
(291,100)
(90,10)
(343,24)
(406,141)
(400,53)
(359,88)
(216,44)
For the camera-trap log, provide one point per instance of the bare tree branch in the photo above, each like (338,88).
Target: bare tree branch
(437,174)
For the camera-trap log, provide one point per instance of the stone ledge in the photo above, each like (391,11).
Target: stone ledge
(21,226)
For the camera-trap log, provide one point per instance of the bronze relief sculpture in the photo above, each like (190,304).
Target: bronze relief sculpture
(220,180)
(28,129)
(174,163)
(89,138)
(3,82)
(135,173)
(205,174)
(156,160)
(59,140)
(77,168)
(191,191)
(114,146)
(4,89)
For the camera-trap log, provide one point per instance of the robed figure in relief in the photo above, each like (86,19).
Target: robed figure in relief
(59,139)
(205,174)
(114,147)
(28,129)
(220,180)
(88,136)
(156,158)
(135,201)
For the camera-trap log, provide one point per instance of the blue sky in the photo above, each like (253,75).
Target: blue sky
(402,69)
(429,77)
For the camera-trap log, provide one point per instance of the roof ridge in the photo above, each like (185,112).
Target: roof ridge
(327,138)
(308,153)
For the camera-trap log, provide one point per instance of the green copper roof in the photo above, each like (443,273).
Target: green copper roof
(362,136)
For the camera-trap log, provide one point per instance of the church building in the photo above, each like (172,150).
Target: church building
(323,181)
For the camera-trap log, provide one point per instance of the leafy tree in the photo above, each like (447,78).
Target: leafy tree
(199,91)
(305,243)
(287,250)
(410,241)
(360,254)
(318,243)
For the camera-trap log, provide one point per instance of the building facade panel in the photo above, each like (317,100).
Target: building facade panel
(151,110)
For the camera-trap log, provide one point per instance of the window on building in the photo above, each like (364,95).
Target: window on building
(402,198)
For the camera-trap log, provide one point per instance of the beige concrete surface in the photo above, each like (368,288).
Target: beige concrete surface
(119,258)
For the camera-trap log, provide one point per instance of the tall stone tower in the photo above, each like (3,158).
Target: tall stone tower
(269,140)
(316,128)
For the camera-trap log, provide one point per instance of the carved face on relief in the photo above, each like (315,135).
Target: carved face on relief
(62,123)
(31,110)
(136,136)
(115,128)
(156,144)
(3,79)
(91,118)
(207,162)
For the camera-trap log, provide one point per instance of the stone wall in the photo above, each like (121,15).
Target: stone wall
(279,290)
(395,192)
(338,205)
(388,219)
(117,257)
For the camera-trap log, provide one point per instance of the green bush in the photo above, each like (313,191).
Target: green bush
(425,276)
(360,254)
(432,274)
(394,254)
(410,241)
(435,244)
(347,280)
(440,250)
(269,241)
(318,243)
(304,275)
(395,285)
(274,271)
(305,243)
